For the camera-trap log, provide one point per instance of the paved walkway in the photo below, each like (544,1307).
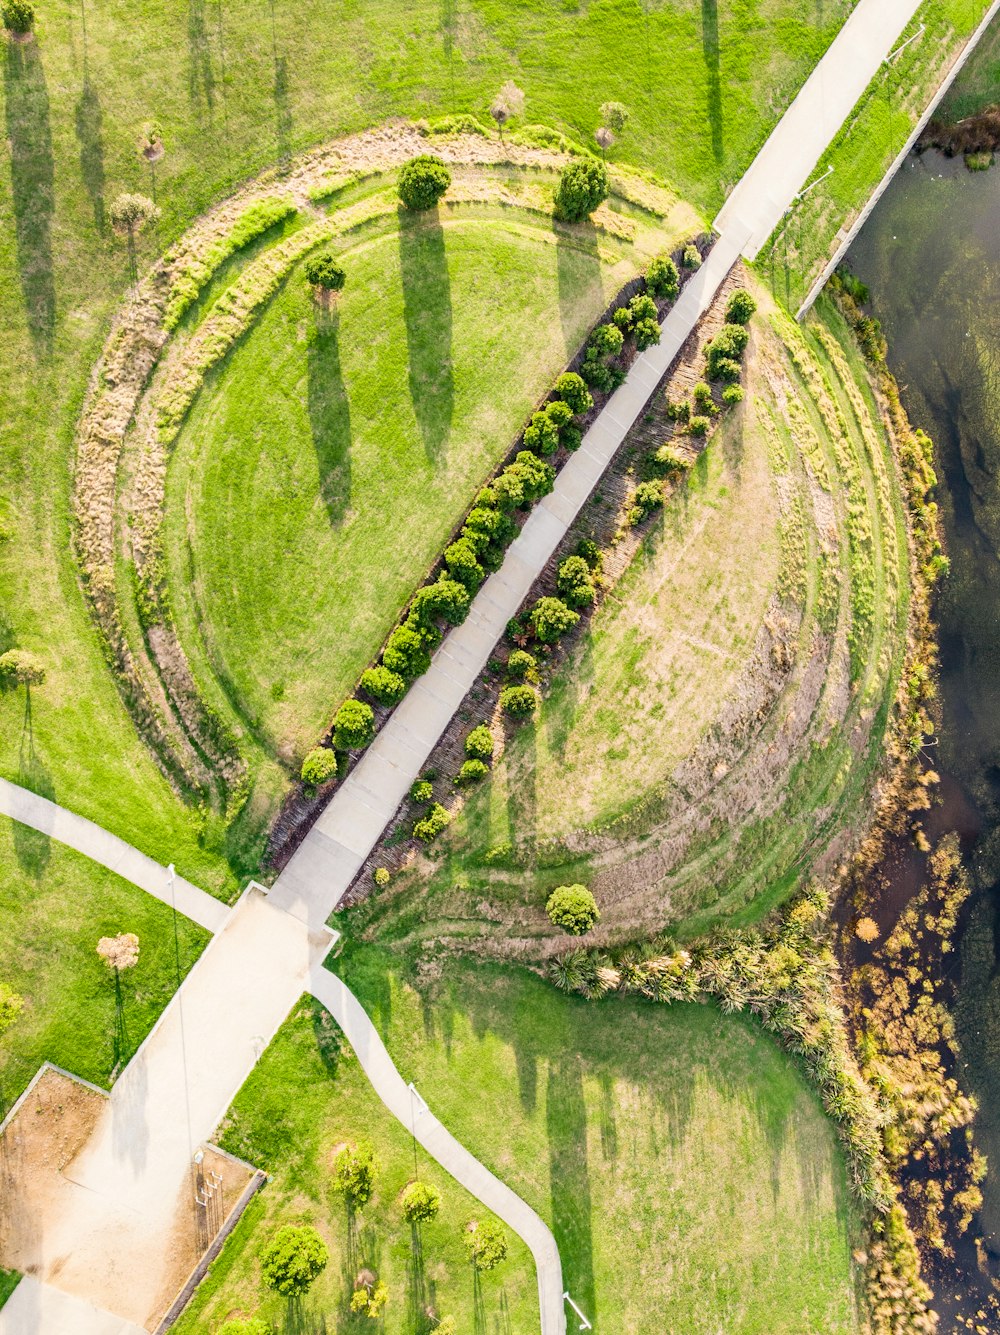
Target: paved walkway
(111,852)
(440,1144)
(34,1306)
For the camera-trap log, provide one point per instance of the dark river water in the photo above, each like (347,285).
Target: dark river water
(931,255)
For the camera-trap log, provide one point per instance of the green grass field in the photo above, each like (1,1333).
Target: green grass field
(9,1280)
(979,84)
(235,89)
(308,1096)
(690,1177)
(56,906)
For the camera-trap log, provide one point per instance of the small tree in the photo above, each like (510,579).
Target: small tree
(370,1299)
(19,668)
(572,389)
(573,908)
(486,1244)
(692,257)
(662,278)
(422,182)
(120,952)
(615,116)
(740,307)
(574,581)
(325,276)
(421,791)
(445,598)
(521,666)
(732,395)
(462,560)
(292,1260)
(319,766)
(479,743)
(471,771)
(383,686)
(406,653)
(582,186)
(420,1202)
(11,1005)
(550,618)
(354,1172)
(518,701)
(18,16)
(151,142)
(509,102)
(437,819)
(130,214)
(353,726)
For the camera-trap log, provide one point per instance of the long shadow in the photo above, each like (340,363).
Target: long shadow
(201,76)
(449,28)
(522,786)
(427,315)
(32,175)
(710,47)
(578,273)
(569,1175)
(282,112)
(330,418)
(33,848)
(89,118)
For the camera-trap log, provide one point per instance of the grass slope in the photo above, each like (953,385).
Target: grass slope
(234,89)
(56,905)
(306,1097)
(690,1177)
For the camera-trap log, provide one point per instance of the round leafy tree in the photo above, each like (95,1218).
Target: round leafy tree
(18,16)
(486,1244)
(479,743)
(740,307)
(422,182)
(518,701)
(383,686)
(406,653)
(354,1172)
(353,726)
(445,598)
(662,278)
(130,213)
(324,273)
(292,1259)
(575,582)
(520,664)
(573,908)
(461,558)
(582,186)
(572,389)
(20,668)
(550,618)
(420,1202)
(472,771)
(615,116)
(319,765)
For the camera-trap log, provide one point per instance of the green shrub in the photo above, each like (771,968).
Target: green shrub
(571,438)
(591,553)
(436,820)
(559,413)
(324,272)
(518,701)
(445,598)
(421,791)
(479,527)
(383,686)
(669,460)
(249,1325)
(606,341)
(354,1172)
(479,743)
(597,374)
(740,307)
(648,497)
(353,725)
(550,618)
(573,908)
(575,582)
(582,186)
(422,182)
(18,15)
(729,343)
(18,667)
(615,116)
(509,487)
(572,389)
(472,771)
(646,334)
(486,1244)
(292,1259)
(420,1202)
(732,395)
(528,477)
(541,434)
(662,278)
(692,257)
(381,876)
(702,395)
(728,370)
(679,412)
(520,665)
(406,653)
(461,558)
(319,765)
(698,426)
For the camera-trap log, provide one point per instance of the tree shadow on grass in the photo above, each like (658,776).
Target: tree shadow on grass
(330,417)
(282,112)
(421,1291)
(710,48)
(522,787)
(32,175)
(201,76)
(33,848)
(89,118)
(569,1174)
(423,265)
(578,272)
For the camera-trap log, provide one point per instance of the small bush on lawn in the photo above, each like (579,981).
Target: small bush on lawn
(406,653)
(518,701)
(421,791)
(383,686)
(740,307)
(319,765)
(323,272)
(18,15)
(436,820)
(582,186)
(353,726)
(422,182)
(461,558)
(692,257)
(292,1259)
(420,1202)
(572,389)
(472,771)
(444,598)
(648,497)
(698,426)
(669,461)
(520,665)
(573,908)
(486,1244)
(732,395)
(550,618)
(381,876)
(479,743)
(575,582)
(662,278)
(354,1172)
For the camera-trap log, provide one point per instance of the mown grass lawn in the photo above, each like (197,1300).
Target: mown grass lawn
(689,1174)
(55,906)
(9,1280)
(234,89)
(307,1097)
